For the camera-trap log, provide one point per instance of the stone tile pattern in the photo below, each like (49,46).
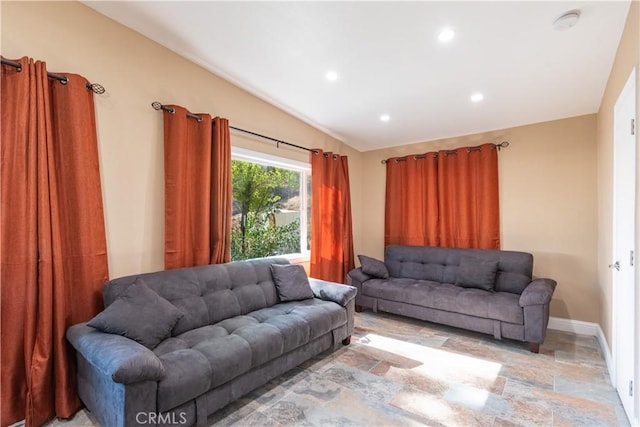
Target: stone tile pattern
(402,372)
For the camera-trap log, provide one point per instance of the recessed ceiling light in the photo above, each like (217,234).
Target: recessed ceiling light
(446,35)
(567,20)
(332,76)
(385,118)
(477,97)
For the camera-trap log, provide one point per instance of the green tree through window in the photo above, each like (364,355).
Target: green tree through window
(269,208)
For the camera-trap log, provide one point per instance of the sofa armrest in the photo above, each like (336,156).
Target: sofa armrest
(357,275)
(329,291)
(121,358)
(538,292)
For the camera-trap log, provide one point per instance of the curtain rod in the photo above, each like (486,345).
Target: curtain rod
(94,87)
(503,144)
(158,106)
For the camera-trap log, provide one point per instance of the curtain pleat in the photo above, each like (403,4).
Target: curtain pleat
(197,162)
(221,193)
(19,248)
(331,229)
(450,199)
(53,252)
(348,258)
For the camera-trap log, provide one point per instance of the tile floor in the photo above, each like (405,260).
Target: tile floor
(402,372)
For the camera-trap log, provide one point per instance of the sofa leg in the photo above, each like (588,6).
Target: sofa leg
(534,347)
(347,340)
(358,308)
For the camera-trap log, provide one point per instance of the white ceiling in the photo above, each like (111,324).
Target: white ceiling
(389,60)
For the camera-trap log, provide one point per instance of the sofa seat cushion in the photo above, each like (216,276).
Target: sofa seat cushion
(501,306)
(505,306)
(206,357)
(418,292)
(321,316)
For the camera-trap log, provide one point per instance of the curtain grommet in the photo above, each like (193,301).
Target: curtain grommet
(96,88)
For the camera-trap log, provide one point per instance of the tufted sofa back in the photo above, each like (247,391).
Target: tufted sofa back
(210,293)
(441,265)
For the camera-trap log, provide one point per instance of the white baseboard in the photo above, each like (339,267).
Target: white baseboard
(575,326)
(605,350)
(584,328)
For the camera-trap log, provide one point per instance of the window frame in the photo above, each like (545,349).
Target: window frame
(246,155)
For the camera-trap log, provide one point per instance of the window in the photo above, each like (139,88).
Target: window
(271,206)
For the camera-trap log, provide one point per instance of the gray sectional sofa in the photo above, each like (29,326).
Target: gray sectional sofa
(228,333)
(489,291)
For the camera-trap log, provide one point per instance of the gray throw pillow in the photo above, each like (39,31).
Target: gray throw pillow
(291,282)
(373,267)
(139,314)
(477,273)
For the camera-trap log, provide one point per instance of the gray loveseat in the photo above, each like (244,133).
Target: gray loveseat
(233,335)
(488,291)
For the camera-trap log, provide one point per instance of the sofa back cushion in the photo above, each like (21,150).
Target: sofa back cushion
(442,264)
(208,294)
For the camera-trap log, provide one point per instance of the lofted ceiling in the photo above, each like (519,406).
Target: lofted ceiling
(388,60)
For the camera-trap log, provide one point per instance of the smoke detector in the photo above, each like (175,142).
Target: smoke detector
(567,20)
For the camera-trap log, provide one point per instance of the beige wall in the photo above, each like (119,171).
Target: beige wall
(136,71)
(547,203)
(627,57)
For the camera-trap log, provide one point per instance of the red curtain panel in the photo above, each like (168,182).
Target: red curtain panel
(468,197)
(448,199)
(411,208)
(197,164)
(187,177)
(53,247)
(331,230)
